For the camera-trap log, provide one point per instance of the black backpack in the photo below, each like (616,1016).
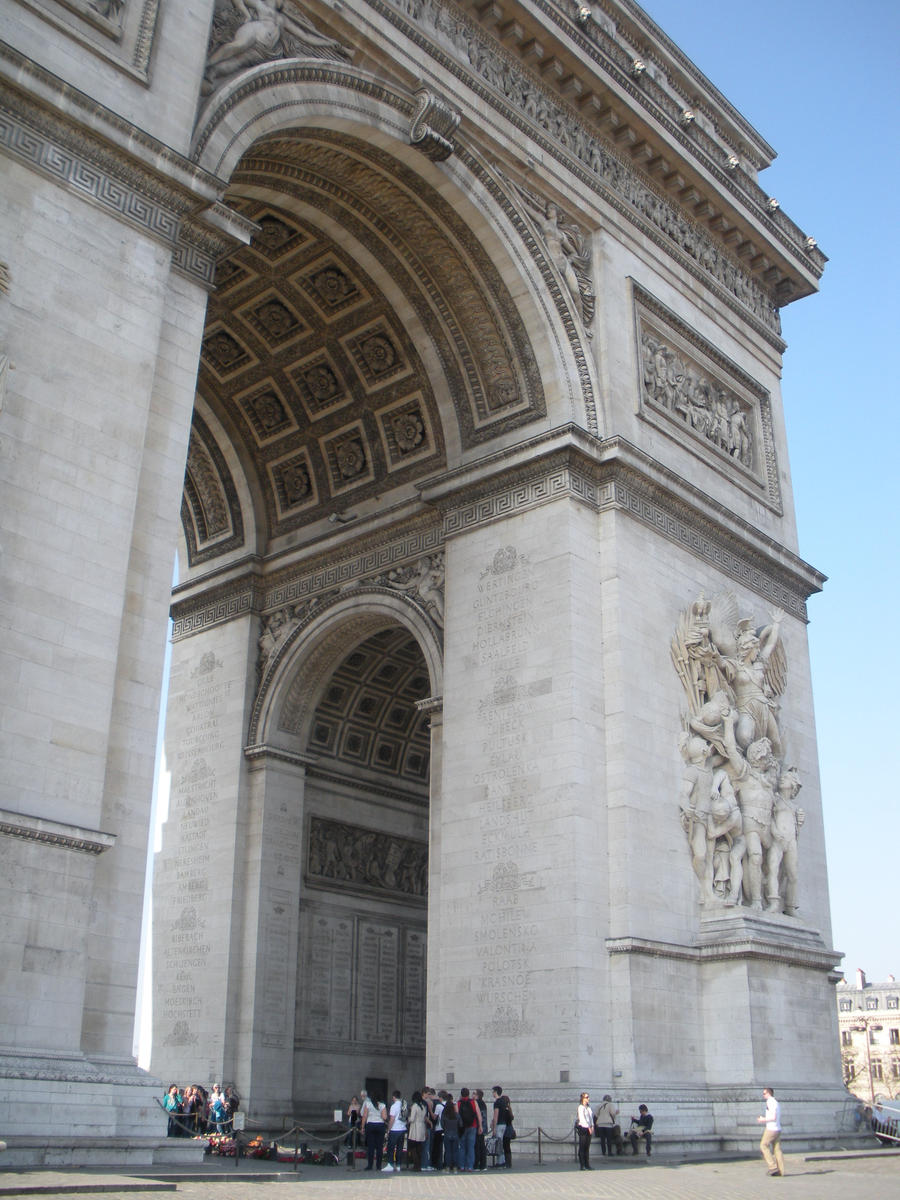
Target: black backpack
(466,1110)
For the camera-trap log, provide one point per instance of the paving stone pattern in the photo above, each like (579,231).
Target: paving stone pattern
(844,1177)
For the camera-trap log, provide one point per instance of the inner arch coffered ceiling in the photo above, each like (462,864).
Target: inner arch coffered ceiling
(363,341)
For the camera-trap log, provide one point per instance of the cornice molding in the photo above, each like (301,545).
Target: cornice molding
(54,833)
(564,134)
(361,556)
(613,475)
(499,79)
(747,948)
(608,476)
(262,752)
(220,604)
(667,111)
(79,144)
(373,786)
(561,132)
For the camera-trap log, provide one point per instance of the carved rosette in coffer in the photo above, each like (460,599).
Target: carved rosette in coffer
(693,393)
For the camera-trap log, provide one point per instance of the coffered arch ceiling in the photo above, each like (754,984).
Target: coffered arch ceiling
(363,341)
(366,722)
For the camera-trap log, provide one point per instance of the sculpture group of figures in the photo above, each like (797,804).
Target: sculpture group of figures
(373,860)
(737,796)
(713,412)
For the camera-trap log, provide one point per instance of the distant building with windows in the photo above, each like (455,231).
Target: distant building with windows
(869,1030)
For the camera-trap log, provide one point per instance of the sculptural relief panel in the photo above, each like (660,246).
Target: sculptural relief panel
(738,793)
(121,31)
(695,394)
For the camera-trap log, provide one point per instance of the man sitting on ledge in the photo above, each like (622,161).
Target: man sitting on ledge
(640,1128)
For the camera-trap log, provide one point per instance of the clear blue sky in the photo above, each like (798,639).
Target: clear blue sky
(819,81)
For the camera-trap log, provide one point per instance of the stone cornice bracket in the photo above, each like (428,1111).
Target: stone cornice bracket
(261,751)
(431,704)
(54,833)
(206,236)
(433,125)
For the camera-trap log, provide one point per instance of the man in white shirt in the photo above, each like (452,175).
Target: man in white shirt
(770,1143)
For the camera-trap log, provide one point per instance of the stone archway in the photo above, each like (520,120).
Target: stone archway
(365,341)
(361,955)
(374,331)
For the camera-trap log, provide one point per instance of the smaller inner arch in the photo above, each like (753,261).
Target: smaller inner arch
(367,720)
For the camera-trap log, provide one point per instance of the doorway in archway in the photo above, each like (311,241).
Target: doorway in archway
(360,999)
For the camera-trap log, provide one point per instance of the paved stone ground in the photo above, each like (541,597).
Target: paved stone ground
(838,1177)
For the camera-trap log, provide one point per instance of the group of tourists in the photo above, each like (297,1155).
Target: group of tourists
(440,1132)
(604,1125)
(193,1111)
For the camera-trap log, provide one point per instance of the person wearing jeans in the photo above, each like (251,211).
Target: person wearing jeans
(396,1134)
(470,1123)
(372,1118)
(450,1125)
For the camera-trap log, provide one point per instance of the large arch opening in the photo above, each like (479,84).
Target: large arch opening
(361,959)
(362,342)
(369,337)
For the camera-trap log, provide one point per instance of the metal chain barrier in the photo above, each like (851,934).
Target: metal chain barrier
(233,1145)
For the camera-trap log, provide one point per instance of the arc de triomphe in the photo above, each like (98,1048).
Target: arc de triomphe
(455,329)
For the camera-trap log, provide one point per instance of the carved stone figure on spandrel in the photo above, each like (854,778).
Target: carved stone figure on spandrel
(265,31)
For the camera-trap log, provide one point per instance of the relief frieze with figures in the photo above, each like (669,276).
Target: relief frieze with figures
(343,857)
(697,395)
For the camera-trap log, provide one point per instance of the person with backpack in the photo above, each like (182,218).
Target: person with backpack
(469,1127)
(218,1113)
(396,1132)
(232,1104)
